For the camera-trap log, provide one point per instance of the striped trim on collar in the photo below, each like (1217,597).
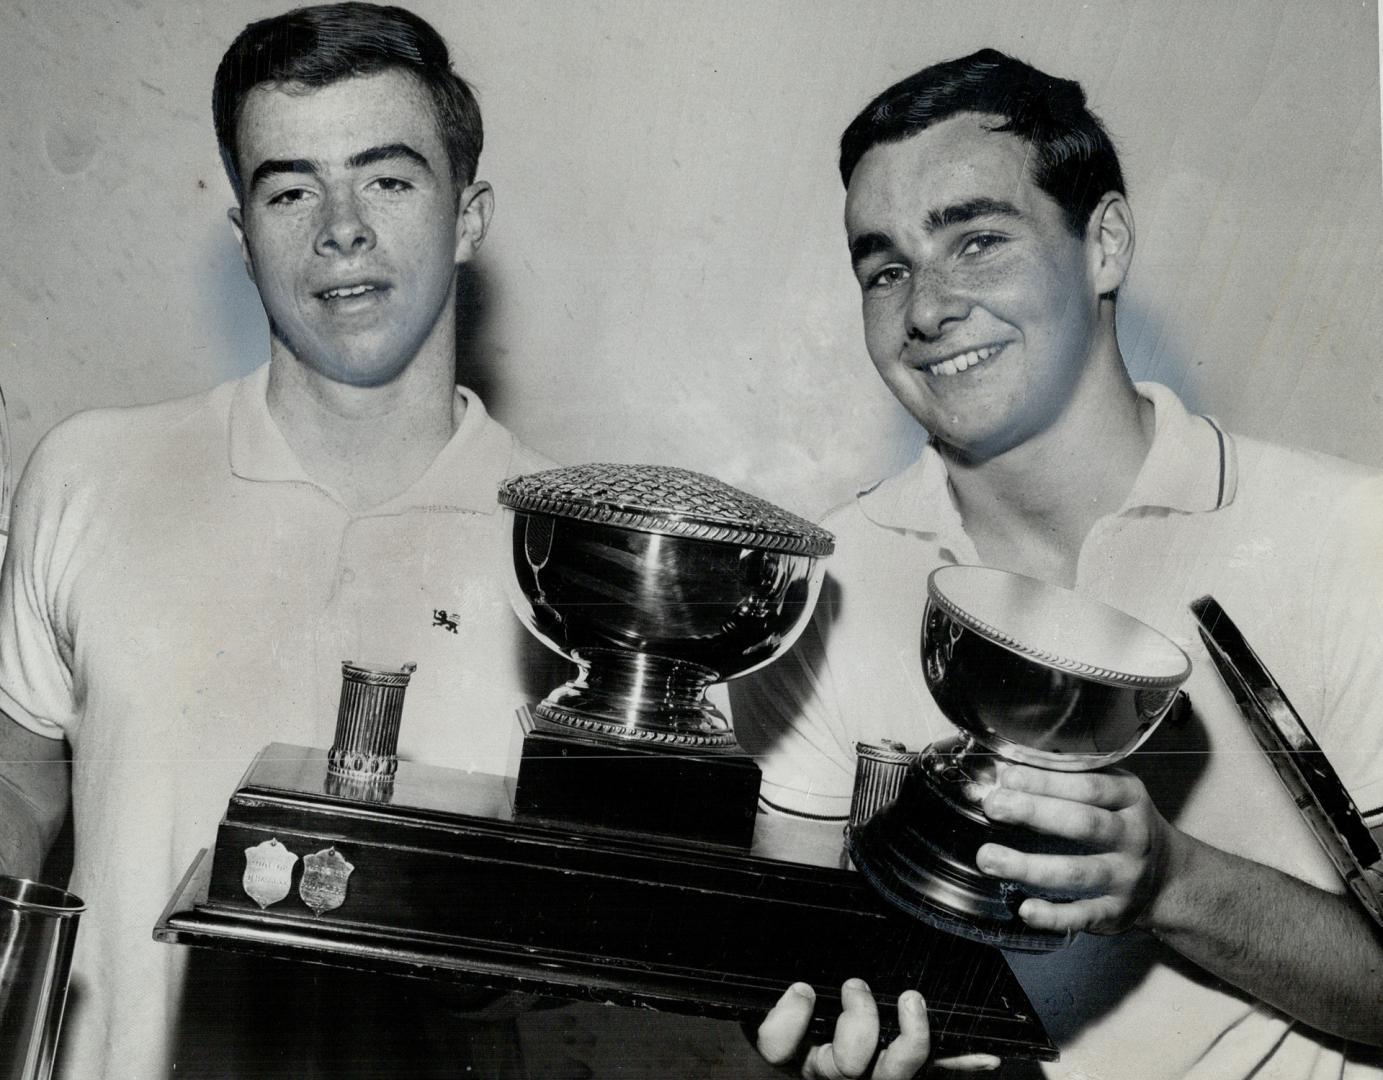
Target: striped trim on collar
(1224,461)
(1191,466)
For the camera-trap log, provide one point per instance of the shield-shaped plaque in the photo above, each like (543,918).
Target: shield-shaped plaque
(268,872)
(323,887)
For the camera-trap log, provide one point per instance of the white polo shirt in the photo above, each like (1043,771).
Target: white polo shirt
(1290,543)
(178,593)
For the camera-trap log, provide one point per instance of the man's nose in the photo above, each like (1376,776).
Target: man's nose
(934,304)
(343,229)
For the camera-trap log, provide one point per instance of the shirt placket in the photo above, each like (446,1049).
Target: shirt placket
(333,641)
(1095,562)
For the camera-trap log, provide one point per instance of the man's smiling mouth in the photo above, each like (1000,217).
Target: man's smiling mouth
(345,292)
(956,364)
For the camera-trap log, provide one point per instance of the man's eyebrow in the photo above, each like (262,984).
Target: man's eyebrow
(867,244)
(961,212)
(388,152)
(275,166)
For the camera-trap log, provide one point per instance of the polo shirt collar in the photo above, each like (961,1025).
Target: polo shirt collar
(467,473)
(918,499)
(258,450)
(464,476)
(1191,467)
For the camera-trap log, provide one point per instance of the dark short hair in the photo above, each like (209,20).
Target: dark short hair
(1073,158)
(315,46)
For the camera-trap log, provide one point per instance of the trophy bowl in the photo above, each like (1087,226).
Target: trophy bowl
(1029,673)
(656,582)
(1042,675)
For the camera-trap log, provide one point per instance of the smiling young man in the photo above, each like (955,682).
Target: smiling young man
(186,578)
(989,230)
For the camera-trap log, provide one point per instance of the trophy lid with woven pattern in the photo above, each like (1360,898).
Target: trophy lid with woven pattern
(666,500)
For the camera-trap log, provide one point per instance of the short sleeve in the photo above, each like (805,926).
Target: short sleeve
(786,715)
(36,685)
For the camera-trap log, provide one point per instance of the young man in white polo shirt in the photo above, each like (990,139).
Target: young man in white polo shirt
(989,232)
(185,579)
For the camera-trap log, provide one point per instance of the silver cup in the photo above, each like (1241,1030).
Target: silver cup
(1029,673)
(38,929)
(656,582)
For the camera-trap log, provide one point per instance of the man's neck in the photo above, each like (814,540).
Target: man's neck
(365,444)
(1030,509)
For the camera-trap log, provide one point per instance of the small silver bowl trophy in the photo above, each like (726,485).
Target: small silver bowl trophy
(1030,674)
(622,860)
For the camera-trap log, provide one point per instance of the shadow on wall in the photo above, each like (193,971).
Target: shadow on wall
(477,366)
(235,311)
(1150,340)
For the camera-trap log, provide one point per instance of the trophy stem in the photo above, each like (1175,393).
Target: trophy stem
(963,770)
(639,697)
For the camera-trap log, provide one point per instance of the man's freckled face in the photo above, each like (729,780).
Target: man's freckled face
(349,222)
(979,307)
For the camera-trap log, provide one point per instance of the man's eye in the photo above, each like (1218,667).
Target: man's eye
(392,183)
(888,276)
(290,197)
(982,243)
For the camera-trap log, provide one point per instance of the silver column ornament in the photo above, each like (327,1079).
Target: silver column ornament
(364,755)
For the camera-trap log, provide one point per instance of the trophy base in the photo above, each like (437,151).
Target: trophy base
(919,852)
(440,880)
(711,797)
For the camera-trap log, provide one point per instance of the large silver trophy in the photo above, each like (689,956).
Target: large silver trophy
(1029,673)
(657,583)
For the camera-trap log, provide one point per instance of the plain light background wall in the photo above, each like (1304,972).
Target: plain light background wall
(666,277)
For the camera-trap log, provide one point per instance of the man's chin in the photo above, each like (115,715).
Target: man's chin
(974,448)
(365,377)
(363,371)
(357,376)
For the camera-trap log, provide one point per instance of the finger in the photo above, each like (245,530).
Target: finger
(969,1063)
(785,1027)
(1112,789)
(908,1053)
(1089,824)
(1091,915)
(854,1040)
(1093,875)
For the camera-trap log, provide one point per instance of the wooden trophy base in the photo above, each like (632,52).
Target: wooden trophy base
(706,796)
(440,879)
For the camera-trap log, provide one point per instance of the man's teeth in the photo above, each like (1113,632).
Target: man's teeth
(960,363)
(352,290)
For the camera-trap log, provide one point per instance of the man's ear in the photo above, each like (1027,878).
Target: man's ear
(237,223)
(475,207)
(1110,240)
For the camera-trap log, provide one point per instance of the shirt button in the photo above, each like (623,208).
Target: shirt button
(347,576)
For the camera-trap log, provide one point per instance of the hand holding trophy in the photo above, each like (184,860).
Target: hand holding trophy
(1045,687)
